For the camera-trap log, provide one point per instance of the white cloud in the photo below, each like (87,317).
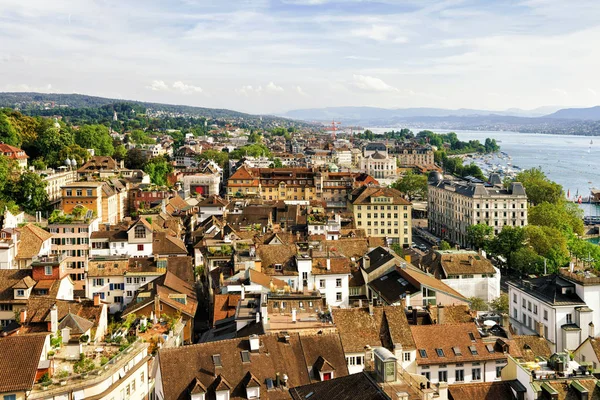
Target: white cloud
(273,88)
(158,86)
(371,84)
(300,91)
(379,33)
(187,89)
(362,58)
(592,91)
(23,87)
(561,92)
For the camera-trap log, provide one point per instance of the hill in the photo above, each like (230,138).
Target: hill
(584,114)
(32,103)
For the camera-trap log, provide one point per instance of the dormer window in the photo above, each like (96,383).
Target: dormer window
(140,232)
(20,293)
(278,267)
(48,270)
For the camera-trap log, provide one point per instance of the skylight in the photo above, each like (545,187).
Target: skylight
(423,353)
(440,352)
(217,360)
(457,351)
(245,356)
(473,350)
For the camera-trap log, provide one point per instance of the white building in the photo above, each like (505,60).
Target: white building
(323,225)
(379,165)
(136,241)
(202,184)
(562,308)
(468,272)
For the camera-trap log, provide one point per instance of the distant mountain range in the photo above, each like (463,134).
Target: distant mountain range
(29,101)
(554,120)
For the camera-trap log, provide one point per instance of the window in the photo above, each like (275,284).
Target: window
(457,351)
(10,397)
(79,192)
(476,374)
(278,267)
(443,376)
(406,356)
(535,309)
(423,353)
(140,232)
(129,293)
(427,375)
(546,315)
(440,352)
(118,299)
(133,386)
(89,192)
(524,303)
(140,247)
(322,283)
(338,296)
(499,371)
(569,319)
(48,270)
(473,350)
(142,377)
(338,282)
(460,375)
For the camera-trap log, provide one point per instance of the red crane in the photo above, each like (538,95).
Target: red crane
(333,128)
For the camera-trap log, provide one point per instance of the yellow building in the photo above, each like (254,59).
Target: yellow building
(107,201)
(273,183)
(382,212)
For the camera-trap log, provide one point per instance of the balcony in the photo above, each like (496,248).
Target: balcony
(54,259)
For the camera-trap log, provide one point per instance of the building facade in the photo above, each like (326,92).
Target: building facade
(455,204)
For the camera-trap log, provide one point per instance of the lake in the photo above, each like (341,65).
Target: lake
(568,160)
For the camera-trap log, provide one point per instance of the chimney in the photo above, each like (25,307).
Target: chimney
(96,299)
(591,330)
(506,321)
(402,396)
(54,319)
(254,343)
(243,294)
(539,329)
(414,316)
(23,316)
(366,262)
(293,315)
(122,164)
(371,308)
(157,305)
(258,317)
(368,354)
(440,314)
(277,380)
(328,264)
(442,391)
(471,261)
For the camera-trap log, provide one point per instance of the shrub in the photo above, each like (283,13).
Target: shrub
(103,360)
(45,378)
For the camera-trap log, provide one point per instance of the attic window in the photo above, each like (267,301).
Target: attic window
(278,267)
(440,352)
(245,356)
(490,348)
(457,351)
(473,350)
(423,353)
(270,385)
(217,360)
(472,336)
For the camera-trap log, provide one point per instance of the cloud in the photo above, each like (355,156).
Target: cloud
(379,33)
(158,86)
(273,88)
(371,84)
(592,91)
(300,91)
(182,87)
(362,58)
(561,92)
(23,87)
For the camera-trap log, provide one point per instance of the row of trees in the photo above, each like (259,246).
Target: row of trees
(552,237)
(456,146)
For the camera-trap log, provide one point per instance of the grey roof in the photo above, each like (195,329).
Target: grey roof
(473,189)
(78,325)
(550,290)
(378,257)
(391,287)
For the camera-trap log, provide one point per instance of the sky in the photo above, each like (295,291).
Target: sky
(270,56)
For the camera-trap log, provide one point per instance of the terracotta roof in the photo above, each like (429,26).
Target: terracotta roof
(223,308)
(532,346)
(181,367)
(264,280)
(338,265)
(272,254)
(8,279)
(38,310)
(21,355)
(481,390)
(448,338)
(363,195)
(242,173)
(31,239)
(24,283)
(387,325)
(165,244)
(425,279)
(454,314)
(96,163)
(349,247)
(12,152)
(356,387)
(451,262)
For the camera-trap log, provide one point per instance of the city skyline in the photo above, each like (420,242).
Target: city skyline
(272,56)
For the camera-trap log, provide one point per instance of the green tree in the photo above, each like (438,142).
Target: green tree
(8,133)
(29,192)
(135,159)
(49,144)
(219,157)
(445,245)
(120,152)
(138,136)
(538,187)
(95,137)
(478,304)
(256,137)
(413,185)
(500,305)
(549,243)
(276,163)
(480,236)
(508,242)
(158,168)
(564,216)
(527,261)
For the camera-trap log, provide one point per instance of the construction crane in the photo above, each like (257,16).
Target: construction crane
(333,128)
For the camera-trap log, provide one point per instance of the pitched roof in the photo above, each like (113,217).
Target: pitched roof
(273,254)
(481,390)
(549,289)
(21,355)
(392,287)
(452,337)
(264,280)
(377,257)
(165,244)
(364,194)
(180,367)
(224,306)
(356,386)
(24,283)
(412,274)
(78,325)
(358,328)
(442,263)
(8,279)
(31,239)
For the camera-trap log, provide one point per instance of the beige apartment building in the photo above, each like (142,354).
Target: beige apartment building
(413,154)
(382,212)
(454,204)
(55,180)
(108,201)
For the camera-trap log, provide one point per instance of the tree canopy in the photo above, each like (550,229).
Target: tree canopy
(413,185)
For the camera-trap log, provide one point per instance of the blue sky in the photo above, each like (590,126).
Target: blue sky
(270,56)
